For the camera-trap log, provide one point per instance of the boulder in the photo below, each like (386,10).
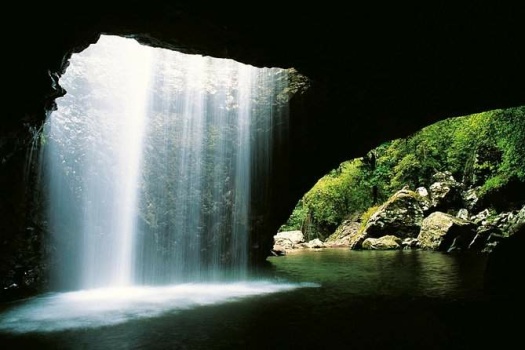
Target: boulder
(441,231)
(343,234)
(445,192)
(424,198)
(401,215)
(287,240)
(388,242)
(315,243)
(471,198)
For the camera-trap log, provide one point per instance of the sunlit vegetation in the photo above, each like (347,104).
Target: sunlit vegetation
(484,151)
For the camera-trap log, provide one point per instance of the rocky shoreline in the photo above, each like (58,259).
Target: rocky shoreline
(445,217)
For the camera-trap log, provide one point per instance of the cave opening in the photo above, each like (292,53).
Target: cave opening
(150,167)
(376,306)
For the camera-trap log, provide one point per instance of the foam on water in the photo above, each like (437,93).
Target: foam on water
(111,306)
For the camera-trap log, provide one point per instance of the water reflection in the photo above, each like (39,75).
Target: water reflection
(404,272)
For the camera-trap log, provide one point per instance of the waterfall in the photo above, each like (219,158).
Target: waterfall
(150,162)
(94,150)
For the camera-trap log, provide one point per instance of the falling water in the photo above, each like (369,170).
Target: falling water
(94,151)
(155,164)
(151,157)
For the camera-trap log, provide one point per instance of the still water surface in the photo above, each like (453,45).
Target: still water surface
(334,298)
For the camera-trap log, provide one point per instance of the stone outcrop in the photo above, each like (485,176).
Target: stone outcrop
(445,192)
(424,198)
(462,214)
(404,213)
(400,215)
(481,217)
(388,242)
(315,243)
(486,238)
(344,235)
(441,231)
(286,241)
(519,220)
(470,198)
(507,221)
(409,243)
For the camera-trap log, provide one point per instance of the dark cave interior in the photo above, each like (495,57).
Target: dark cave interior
(378,72)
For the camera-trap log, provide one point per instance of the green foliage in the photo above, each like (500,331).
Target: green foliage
(297,83)
(407,171)
(297,219)
(494,183)
(509,128)
(367,215)
(335,195)
(484,149)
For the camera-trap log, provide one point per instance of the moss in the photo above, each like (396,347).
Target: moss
(493,184)
(366,216)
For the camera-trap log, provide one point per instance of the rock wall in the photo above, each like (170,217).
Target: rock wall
(411,219)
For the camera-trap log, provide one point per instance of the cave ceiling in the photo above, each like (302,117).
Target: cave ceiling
(378,71)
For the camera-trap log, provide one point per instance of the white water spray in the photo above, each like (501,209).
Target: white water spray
(149,164)
(150,160)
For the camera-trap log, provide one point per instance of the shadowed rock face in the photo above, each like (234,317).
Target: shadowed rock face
(377,73)
(505,268)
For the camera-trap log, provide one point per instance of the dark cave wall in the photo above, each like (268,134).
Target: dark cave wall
(21,224)
(377,73)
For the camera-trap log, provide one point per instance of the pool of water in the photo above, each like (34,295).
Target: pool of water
(334,298)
